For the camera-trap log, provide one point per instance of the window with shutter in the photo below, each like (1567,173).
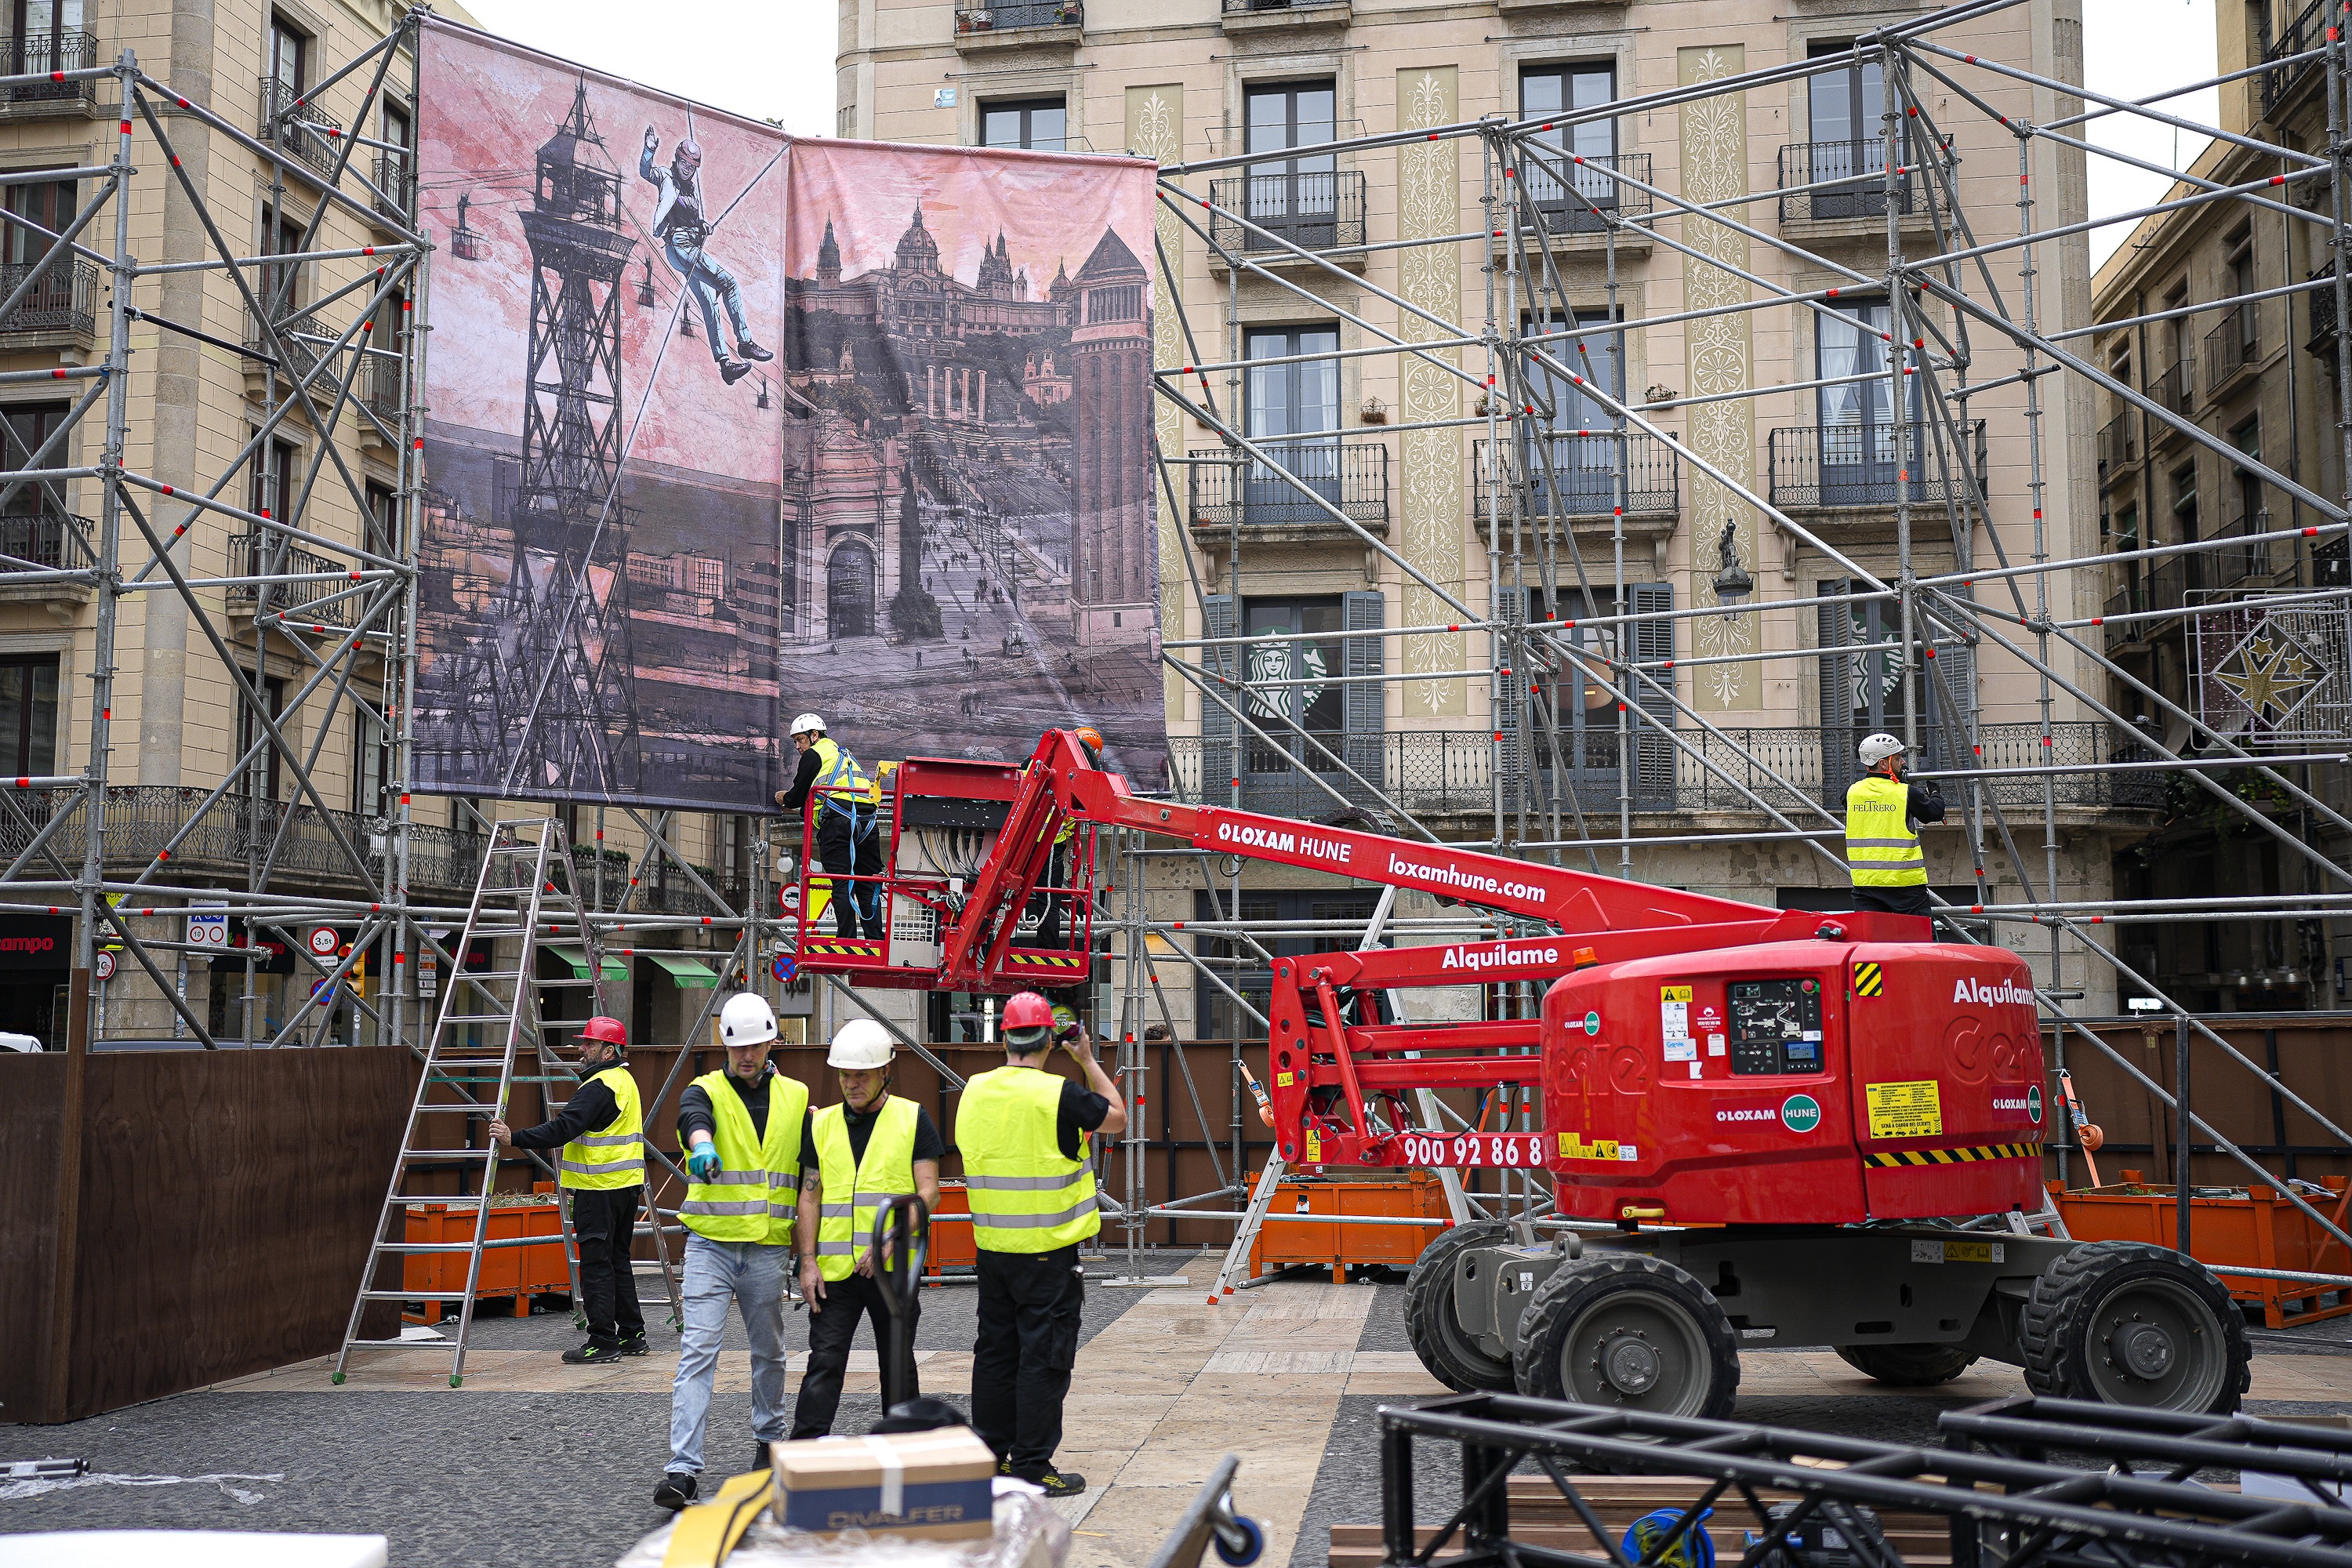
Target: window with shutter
(1220,673)
(1655,753)
(1579,699)
(1364,700)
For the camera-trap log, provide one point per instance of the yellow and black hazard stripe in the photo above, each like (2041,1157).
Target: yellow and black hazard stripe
(1954,1156)
(1023,958)
(1868,980)
(841,948)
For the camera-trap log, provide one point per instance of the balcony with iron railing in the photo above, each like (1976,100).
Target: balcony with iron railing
(51,51)
(2149,588)
(2172,389)
(2307,32)
(394,184)
(1439,773)
(304,130)
(2118,446)
(1020,23)
(2230,348)
(1275,15)
(46,541)
(2331,563)
(310,343)
(1823,182)
(2244,562)
(1827,466)
(1228,488)
(379,387)
(303,602)
(1590,200)
(62,303)
(1576,475)
(2322,341)
(1259,215)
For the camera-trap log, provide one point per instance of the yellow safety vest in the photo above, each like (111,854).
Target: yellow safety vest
(856,1189)
(1881,849)
(838,772)
(1026,1195)
(614,1157)
(757,1191)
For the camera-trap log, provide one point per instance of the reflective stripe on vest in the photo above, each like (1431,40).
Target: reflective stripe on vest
(751,1199)
(845,1229)
(1881,851)
(1026,1195)
(841,783)
(614,1156)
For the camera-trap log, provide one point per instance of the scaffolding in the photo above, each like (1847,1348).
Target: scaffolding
(347,609)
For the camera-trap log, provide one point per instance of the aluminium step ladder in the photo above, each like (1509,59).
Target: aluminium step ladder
(524,894)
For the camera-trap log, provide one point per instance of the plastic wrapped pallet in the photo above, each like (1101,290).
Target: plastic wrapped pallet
(1026,1533)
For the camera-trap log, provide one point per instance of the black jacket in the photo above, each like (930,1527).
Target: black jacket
(804,781)
(590,1110)
(1926,803)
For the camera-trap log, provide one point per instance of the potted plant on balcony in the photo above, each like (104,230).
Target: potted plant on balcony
(1069,14)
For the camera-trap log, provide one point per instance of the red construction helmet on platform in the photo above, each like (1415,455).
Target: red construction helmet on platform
(1028,1019)
(609,1030)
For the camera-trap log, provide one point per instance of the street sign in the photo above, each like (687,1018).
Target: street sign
(105,964)
(323,941)
(209,931)
(783,969)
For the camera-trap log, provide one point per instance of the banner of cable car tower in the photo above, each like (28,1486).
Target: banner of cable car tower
(724,425)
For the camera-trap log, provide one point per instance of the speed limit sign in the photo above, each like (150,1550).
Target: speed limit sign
(105,964)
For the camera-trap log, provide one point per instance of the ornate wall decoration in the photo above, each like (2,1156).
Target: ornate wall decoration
(1429,486)
(1155,128)
(1719,357)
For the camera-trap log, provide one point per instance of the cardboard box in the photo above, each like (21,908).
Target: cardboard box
(926,1486)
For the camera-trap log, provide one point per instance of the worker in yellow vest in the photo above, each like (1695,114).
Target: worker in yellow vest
(1049,924)
(600,1168)
(1883,814)
(870,1148)
(848,835)
(743,1129)
(1027,1164)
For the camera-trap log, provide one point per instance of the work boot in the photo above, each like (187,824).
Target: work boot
(760,1459)
(635,1344)
(676,1490)
(1061,1483)
(747,349)
(595,1350)
(731,371)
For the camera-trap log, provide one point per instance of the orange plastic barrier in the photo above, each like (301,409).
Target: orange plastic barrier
(2261,1230)
(1282,1243)
(521,1272)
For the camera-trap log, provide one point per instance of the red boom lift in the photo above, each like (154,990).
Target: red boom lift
(1800,1124)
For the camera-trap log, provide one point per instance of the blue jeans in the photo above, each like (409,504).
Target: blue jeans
(711,285)
(751,1275)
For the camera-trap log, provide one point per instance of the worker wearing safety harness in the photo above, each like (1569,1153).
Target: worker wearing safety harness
(743,1129)
(1883,814)
(867,1150)
(1027,1167)
(602,1171)
(1049,924)
(848,836)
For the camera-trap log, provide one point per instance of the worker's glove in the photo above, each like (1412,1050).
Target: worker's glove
(702,1162)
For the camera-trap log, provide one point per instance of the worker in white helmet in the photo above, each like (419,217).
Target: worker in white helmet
(848,832)
(743,1129)
(870,1148)
(1883,814)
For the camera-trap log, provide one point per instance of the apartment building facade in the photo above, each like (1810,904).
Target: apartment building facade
(2262,375)
(1270,85)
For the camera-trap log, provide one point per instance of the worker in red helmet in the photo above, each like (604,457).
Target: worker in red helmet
(601,1169)
(1028,1170)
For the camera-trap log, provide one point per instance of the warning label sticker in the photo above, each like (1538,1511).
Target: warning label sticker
(1927,1250)
(1572,1147)
(1905,1110)
(1673,1014)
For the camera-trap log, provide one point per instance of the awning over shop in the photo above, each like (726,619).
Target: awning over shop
(687,972)
(577,957)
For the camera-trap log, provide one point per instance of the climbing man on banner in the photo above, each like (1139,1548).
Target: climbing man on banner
(683,220)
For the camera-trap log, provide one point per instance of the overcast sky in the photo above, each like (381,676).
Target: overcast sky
(773,60)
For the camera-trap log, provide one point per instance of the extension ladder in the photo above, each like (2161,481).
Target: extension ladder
(523,895)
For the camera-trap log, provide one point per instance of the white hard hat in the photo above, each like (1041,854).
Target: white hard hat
(747,1019)
(861,1044)
(1876,749)
(808,724)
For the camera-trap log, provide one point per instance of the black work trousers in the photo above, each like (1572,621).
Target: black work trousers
(832,1331)
(1029,1306)
(1910,901)
(605,1224)
(841,858)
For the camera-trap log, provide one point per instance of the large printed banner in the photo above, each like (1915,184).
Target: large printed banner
(723,426)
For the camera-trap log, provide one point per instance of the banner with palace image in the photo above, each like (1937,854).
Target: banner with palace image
(723,426)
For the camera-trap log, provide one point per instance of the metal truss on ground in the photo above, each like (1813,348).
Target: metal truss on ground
(1552,615)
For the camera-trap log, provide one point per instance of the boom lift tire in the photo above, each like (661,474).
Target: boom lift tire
(1431,1325)
(2123,1322)
(1625,1330)
(1906,1366)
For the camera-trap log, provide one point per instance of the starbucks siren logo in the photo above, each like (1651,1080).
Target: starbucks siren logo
(1801,1113)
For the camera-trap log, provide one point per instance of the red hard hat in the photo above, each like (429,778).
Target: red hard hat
(609,1030)
(1027,1010)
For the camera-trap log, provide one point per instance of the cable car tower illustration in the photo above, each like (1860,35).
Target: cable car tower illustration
(557,666)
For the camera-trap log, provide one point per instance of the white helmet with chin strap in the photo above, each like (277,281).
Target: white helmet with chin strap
(746,1020)
(860,1046)
(1876,749)
(808,724)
